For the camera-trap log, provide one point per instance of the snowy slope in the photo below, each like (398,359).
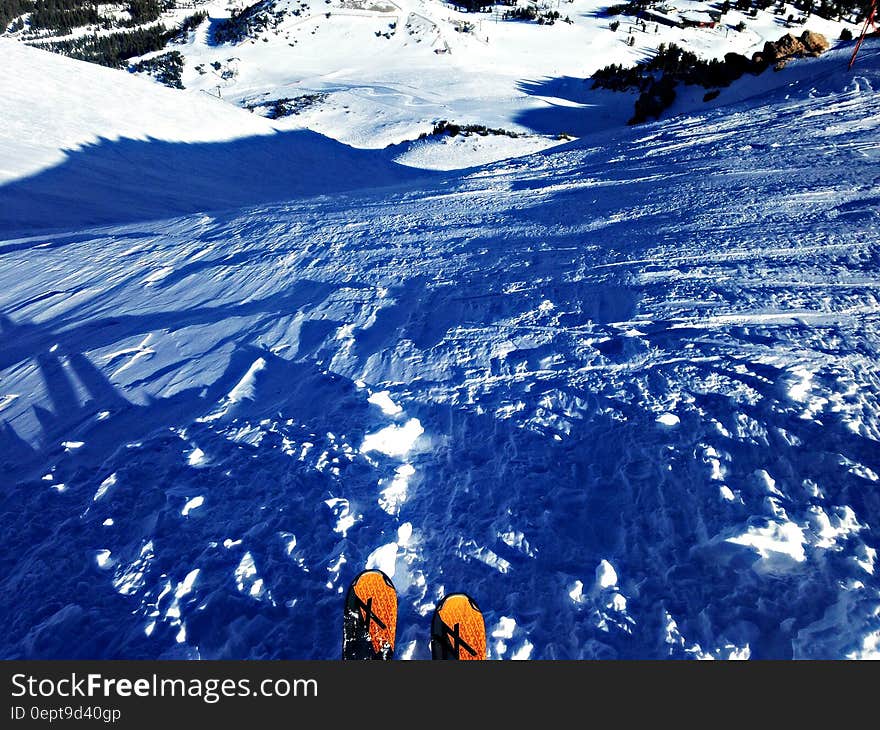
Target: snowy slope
(87,145)
(390,68)
(625,392)
(373,73)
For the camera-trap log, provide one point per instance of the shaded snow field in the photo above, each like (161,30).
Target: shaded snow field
(625,393)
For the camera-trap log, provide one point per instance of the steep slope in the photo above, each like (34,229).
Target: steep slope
(624,392)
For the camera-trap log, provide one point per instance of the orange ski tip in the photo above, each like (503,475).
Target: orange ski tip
(378,607)
(463,625)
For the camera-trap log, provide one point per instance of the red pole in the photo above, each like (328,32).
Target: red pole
(869,23)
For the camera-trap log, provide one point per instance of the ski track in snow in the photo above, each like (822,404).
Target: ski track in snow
(625,393)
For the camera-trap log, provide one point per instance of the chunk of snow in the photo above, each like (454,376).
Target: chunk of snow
(775,540)
(384,558)
(866,558)
(394,440)
(668,419)
(801,388)
(523,653)
(345,518)
(404,533)
(245,388)
(246,579)
(391,498)
(192,504)
(504,628)
(186,585)
(831,530)
(606,576)
(383,400)
(196,457)
(105,485)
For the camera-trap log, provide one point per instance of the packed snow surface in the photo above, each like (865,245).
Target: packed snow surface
(624,392)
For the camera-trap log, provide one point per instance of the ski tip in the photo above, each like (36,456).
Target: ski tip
(458,630)
(370,621)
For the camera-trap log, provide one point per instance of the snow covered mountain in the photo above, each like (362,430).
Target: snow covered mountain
(624,391)
(373,73)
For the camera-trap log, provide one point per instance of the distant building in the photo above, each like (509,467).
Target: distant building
(698,19)
(663,16)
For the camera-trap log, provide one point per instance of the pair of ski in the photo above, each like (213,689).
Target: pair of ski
(370,623)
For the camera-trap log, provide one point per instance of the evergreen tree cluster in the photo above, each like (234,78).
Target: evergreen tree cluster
(249,22)
(144,11)
(115,49)
(11,9)
(474,6)
(657,77)
(287,106)
(62,16)
(166,69)
(529,12)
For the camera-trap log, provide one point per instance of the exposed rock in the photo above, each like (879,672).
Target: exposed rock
(815,43)
(786,47)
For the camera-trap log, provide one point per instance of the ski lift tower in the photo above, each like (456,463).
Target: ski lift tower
(870,24)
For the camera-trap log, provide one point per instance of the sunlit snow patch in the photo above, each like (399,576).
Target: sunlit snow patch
(394,440)
(502,632)
(866,558)
(778,544)
(345,518)
(192,504)
(800,389)
(606,576)
(469,549)
(384,558)
(668,419)
(244,389)
(105,485)
(870,649)
(247,581)
(383,400)
(523,653)
(130,579)
(831,530)
(394,495)
(196,458)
